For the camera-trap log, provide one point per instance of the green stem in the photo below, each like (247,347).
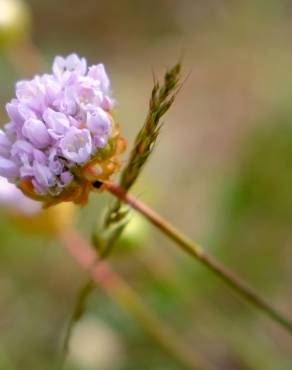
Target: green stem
(78,310)
(198,253)
(118,289)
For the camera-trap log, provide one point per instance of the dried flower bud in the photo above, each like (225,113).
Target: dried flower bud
(61,136)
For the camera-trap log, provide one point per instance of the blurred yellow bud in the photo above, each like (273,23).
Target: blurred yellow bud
(15,22)
(48,222)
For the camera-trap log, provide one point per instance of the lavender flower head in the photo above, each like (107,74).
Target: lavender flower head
(61,135)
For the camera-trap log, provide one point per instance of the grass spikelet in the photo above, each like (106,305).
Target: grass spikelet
(162,97)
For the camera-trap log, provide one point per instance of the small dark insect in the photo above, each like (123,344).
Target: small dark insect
(97,184)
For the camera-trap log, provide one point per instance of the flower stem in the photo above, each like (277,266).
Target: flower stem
(196,251)
(114,285)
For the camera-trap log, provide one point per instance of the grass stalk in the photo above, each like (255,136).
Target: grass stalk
(197,252)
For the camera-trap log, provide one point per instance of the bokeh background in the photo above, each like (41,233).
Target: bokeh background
(221,172)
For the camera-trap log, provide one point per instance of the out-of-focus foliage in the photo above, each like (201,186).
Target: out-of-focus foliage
(259,206)
(15,22)
(221,172)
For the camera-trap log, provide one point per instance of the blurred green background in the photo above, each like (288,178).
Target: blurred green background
(221,172)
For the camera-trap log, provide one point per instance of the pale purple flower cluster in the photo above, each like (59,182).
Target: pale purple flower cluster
(57,121)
